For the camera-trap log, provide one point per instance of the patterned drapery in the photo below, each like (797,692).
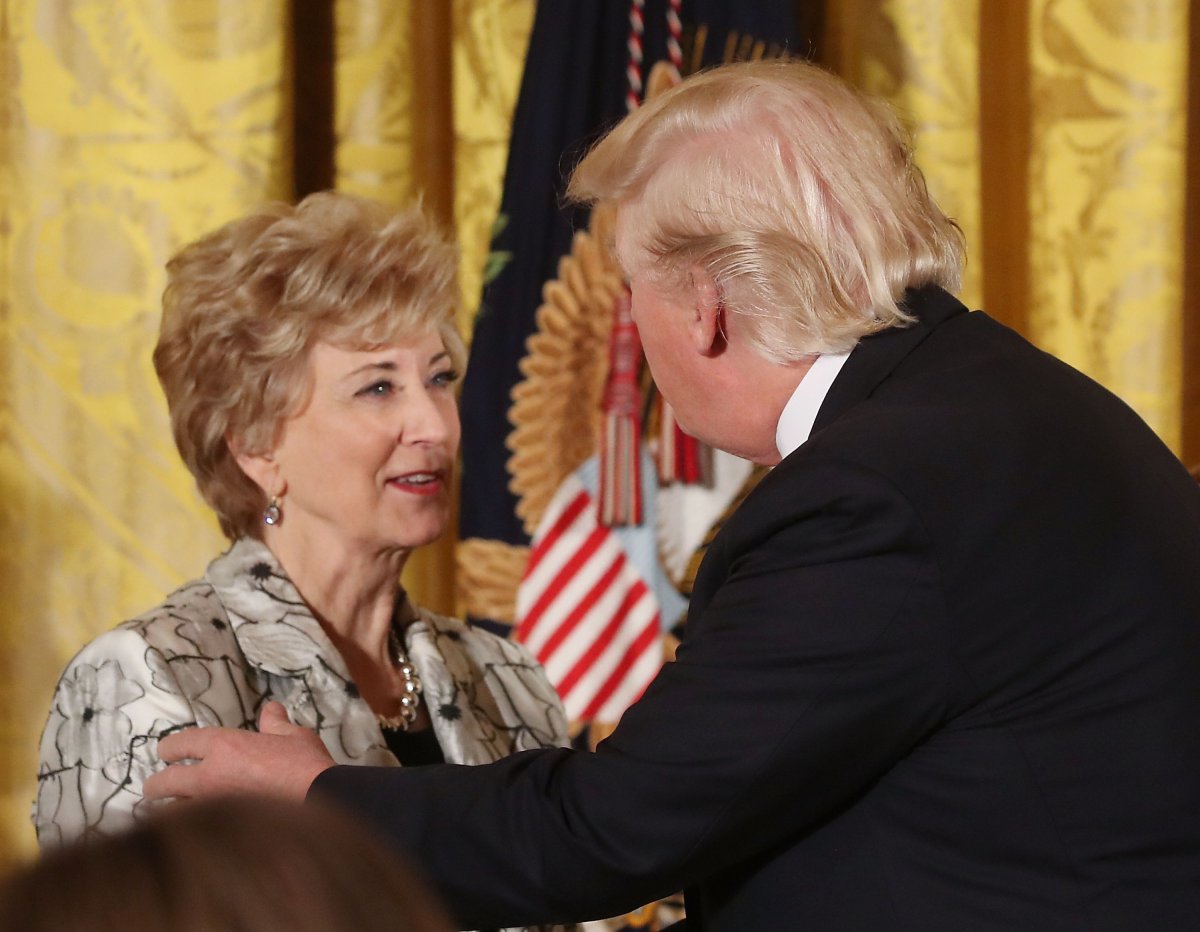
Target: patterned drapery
(1058,132)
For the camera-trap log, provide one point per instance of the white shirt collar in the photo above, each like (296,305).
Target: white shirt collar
(796,421)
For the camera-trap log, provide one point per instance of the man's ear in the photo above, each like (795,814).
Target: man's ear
(262,468)
(707,323)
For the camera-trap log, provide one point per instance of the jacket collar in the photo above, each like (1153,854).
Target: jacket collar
(876,356)
(279,636)
(274,627)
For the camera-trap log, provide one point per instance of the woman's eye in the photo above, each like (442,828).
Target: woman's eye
(378,389)
(445,377)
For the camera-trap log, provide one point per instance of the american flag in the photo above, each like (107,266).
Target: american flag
(585,611)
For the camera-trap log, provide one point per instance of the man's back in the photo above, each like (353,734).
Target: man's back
(1040,650)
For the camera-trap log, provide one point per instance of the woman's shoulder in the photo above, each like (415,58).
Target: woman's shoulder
(189,620)
(126,687)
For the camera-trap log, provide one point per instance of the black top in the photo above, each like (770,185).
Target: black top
(414,748)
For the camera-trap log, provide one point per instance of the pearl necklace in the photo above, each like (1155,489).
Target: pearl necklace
(410,702)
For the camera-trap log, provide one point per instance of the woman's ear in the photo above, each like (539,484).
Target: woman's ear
(262,468)
(707,324)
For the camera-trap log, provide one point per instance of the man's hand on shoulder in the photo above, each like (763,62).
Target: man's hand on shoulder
(281,760)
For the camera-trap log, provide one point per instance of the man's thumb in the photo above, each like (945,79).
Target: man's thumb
(273,720)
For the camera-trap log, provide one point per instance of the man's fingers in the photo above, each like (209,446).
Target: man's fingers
(281,761)
(173,781)
(190,743)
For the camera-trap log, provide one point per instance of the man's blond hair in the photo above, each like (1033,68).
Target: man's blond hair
(795,192)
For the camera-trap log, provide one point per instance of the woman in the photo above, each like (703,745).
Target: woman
(308,356)
(243,863)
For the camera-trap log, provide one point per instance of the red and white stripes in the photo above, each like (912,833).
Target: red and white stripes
(585,612)
(674,36)
(634,44)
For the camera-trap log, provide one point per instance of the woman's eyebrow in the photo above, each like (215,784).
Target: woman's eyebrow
(386,365)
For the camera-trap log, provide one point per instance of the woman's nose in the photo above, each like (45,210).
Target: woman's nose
(428,418)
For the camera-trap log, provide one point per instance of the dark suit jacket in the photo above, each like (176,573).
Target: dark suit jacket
(941,672)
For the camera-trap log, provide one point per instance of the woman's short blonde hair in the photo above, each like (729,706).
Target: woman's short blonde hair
(794,191)
(244,306)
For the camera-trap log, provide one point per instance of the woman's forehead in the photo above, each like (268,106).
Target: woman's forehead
(380,337)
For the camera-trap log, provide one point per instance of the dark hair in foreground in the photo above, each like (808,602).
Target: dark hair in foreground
(236,865)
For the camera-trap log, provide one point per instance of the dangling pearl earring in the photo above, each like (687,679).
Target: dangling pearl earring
(273,514)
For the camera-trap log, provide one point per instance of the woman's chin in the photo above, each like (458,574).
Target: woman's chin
(413,537)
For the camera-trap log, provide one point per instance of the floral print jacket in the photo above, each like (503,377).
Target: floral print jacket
(219,647)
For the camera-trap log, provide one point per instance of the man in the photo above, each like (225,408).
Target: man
(941,669)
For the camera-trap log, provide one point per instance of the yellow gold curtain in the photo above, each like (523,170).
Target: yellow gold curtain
(1107,182)
(1056,132)
(923,55)
(127,130)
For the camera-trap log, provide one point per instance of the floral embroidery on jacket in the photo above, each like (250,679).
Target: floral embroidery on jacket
(217,648)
